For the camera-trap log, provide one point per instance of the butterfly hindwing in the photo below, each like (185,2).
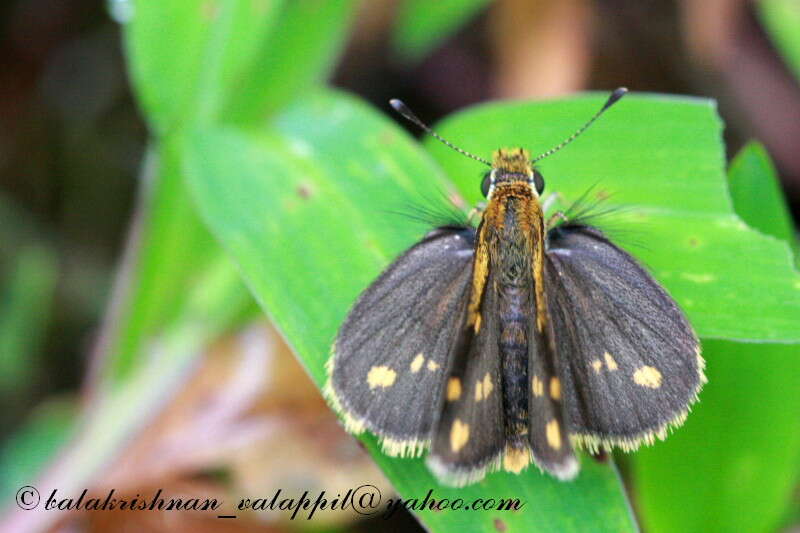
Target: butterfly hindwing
(469,433)
(628,361)
(394,345)
(547,431)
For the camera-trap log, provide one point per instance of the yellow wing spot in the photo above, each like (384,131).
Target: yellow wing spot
(647,376)
(515,459)
(597,364)
(487,385)
(483,388)
(453,389)
(477,323)
(381,376)
(537,386)
(459,435)
(610,362)
(417,363)
(432,365)
(555,388)
(553,433)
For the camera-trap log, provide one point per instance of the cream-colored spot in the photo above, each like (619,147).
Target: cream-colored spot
(487,385)
(553,432)
(477,323)
(381,376)
(698,278)
(555,388)
(432,365)
(483,388)
(417,363)
(459,435)
(537,385)
(515,459)
(610,362)
(647,376)
(597,364)
(453,389)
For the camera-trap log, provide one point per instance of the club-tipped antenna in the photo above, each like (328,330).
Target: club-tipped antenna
(613,99)
(403,109)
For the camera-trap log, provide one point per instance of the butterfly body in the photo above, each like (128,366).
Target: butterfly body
(513,343)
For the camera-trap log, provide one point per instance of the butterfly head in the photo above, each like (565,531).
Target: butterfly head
(512,166)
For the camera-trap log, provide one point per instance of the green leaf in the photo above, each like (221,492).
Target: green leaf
(661,159)
(757,195)
(733,453)
(297,55)
(302,208)
(211,45)
(422,24)
(782,21)
(166,256)
(733,466)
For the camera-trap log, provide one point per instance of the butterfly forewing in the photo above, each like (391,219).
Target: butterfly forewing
(469,433)
(390,357)
(628,361)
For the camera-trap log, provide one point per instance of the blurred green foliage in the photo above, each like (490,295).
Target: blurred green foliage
(782,20)
(422,25)
(25,300)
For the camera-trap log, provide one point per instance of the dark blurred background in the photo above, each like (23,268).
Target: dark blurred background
(72,140)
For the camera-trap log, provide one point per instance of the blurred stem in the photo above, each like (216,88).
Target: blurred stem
(541,48)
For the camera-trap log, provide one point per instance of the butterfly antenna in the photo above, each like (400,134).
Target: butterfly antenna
(403,109)
(613,99)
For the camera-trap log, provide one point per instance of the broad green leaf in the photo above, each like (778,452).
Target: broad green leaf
(186,56)
(782,21)
(757,195)
(297,55)
(26,295)
(733,453)
(302,208)
(734,464)
(661,159)
(423,24)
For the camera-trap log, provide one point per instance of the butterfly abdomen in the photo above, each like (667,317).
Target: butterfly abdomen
(514,314)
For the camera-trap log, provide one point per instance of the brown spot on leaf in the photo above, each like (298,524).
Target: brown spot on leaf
(304,191)
(499,525)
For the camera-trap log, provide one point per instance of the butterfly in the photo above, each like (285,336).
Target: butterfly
(515,342)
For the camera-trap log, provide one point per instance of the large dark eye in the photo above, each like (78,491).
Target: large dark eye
(486,183)
(538,181)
